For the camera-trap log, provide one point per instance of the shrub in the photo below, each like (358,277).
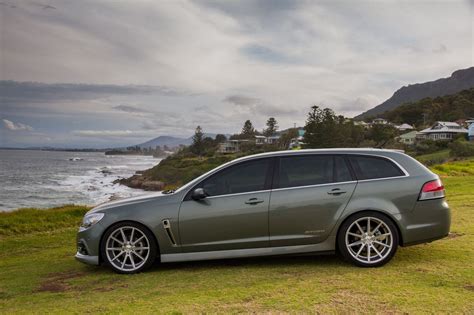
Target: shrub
(462,148)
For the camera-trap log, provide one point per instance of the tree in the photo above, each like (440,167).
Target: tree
(248,131)
(286,137)
(382,134)
(198,144)
(272,127)
(220,138)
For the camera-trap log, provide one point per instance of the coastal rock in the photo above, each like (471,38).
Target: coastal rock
(153,185)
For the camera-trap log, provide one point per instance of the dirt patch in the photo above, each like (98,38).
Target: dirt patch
(454,235)
(469,287)
(57,281)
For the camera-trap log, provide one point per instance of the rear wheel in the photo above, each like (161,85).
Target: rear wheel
(128,247)
(368,239)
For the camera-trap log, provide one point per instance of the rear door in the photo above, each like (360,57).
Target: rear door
(235,213)
(309,195)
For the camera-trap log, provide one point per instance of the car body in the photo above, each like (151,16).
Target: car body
(277,203)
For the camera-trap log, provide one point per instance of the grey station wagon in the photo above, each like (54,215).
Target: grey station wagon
(363,203)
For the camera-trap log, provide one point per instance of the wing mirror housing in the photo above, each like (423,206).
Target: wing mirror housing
(198,194)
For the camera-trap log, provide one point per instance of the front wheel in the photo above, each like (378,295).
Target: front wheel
(368,239)
(128,247)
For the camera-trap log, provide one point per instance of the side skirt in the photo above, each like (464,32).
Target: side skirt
(328,245)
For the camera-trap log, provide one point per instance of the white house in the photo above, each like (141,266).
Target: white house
(408,138)
(442,130)
(379,121)
(405,127)
(230,146)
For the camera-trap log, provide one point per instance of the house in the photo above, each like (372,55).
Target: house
(471,132)
(442,130)
(297,142)
(260,140)
(379,121)
(405,127)
(361,123)
(408,138)
(273,139)
(230,146)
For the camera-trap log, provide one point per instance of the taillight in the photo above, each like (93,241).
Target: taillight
(432,190)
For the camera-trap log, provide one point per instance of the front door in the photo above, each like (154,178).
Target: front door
(310,193)
(235,213)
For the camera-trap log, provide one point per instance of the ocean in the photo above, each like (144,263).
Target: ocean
(42,179)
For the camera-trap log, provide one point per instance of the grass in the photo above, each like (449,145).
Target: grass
(39,275)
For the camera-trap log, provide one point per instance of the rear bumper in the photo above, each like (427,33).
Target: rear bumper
(430,220)
(90,260)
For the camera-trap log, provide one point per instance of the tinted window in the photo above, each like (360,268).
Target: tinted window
(305,170)
(244,177)
(367,167)
(341,170)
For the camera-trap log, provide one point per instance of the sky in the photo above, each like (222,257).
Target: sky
(113,73)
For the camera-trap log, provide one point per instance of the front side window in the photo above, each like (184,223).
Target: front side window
(370,167)
(244,177)
(305,170)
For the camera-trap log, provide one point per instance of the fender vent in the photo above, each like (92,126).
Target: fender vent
(167,227)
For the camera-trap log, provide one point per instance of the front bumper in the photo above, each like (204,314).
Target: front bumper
(90,260)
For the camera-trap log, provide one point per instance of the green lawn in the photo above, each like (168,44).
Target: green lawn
(39,275)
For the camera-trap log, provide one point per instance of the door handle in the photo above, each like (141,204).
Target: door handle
(253,201)
(336,192)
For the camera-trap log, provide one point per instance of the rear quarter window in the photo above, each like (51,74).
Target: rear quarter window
(371,167)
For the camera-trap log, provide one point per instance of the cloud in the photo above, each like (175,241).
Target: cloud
(241,100)
(130,109)
(164,67)
(104,133)
(10,125)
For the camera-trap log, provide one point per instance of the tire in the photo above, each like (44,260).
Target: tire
(128,247)
(364,247)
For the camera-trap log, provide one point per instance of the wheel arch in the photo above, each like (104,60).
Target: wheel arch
(128,221)
(387,214)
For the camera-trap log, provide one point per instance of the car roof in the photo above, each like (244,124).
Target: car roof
(370,151)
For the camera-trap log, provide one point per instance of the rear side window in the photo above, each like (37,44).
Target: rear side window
(370,167)
(296,171)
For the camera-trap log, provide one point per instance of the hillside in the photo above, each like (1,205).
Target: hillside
(458,81)
(171,141)
(429,110)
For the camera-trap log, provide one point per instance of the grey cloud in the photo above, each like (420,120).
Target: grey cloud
(40,92)
(130,109)
(241,100)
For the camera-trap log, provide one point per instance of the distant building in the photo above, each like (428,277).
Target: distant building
(408,138)
(230,146)
(260,140)
(298,141)
(379,121)
(471,132)
(442,130)
(361,123)
(405,127)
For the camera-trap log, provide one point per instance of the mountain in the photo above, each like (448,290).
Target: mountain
(428,110)
(458,81)
(171,141)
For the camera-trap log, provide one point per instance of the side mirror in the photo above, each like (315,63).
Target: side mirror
(198,194)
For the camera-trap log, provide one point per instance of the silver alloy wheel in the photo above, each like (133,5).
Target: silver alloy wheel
(369,240)
(127,248)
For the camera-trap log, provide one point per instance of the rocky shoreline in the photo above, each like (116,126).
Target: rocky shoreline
(139,181)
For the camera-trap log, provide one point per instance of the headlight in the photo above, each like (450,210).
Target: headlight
(91,219)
